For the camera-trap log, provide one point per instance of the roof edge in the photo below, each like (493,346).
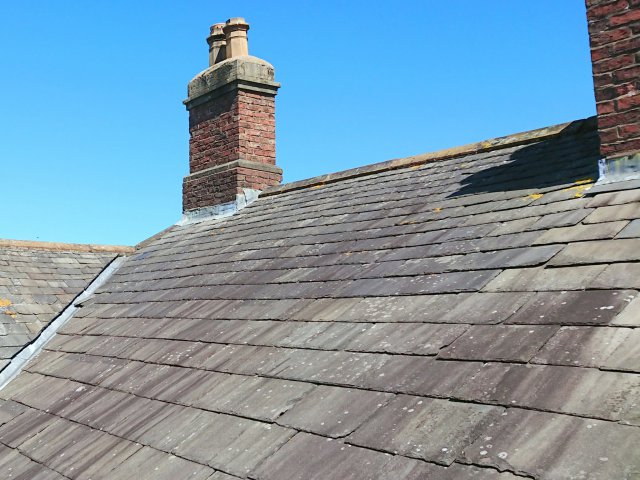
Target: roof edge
(60,247)
(497,143)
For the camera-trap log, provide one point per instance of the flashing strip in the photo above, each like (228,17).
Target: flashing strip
(224,210)
(35,346)
(619,169)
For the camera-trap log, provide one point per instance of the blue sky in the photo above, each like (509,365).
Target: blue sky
(93,133)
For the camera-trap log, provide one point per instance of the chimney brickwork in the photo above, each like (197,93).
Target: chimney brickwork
(231,123)
(614,34)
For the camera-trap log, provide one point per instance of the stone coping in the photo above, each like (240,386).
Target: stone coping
(61,247)
(522,138)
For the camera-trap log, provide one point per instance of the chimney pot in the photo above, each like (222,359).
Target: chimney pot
(217,44)
(235,31)
(231,104)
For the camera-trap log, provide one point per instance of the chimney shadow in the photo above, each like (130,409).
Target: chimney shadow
(570,156)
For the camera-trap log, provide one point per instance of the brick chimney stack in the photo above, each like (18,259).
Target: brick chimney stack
(232,151)
(614,34)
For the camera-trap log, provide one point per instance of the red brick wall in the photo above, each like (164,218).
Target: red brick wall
(236,125)
(222,187)
(614,31)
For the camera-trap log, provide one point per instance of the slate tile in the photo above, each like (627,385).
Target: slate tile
(14,464)
(528,442)
(231,444)
(630,315)
(421,376)
(259,398)
(614,198)
(560,219)
(577,391)
(150,464)
(618,275)
(629,211)
(10,410)
(514,226)
(509,343)
(175,428)
(321,335)
(591,307)
(482,308)
(311,457)
(599,347)
(430,429)
(580,232)
(24,426)
(222,476)
(602,251)
(417,339)
(545,279)
(333,411)
(77,450)
(632,230)
(423,284)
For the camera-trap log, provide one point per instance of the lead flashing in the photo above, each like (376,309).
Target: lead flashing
(620,169)
(220,211)
(33,348)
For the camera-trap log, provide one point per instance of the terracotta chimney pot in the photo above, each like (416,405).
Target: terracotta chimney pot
(235,31)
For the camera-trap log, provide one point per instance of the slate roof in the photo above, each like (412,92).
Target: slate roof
(37,281)
(468,315)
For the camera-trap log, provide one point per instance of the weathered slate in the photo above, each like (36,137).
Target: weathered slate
(528,442)
(333,411)
(430,429)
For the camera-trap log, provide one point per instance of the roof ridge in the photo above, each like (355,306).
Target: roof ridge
(521,138)
(58,246)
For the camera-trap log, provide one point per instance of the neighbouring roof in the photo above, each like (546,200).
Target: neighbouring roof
(467,316)
(37,281)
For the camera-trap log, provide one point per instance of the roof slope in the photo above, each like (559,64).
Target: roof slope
(37,281)
(449,320)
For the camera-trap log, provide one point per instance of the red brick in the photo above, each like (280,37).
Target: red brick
(629,131)
(613,63)
(607,9)
(625,18)
(627,103)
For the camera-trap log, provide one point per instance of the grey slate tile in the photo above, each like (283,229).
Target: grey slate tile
(76,450)
(580,232)
(417,339)
(578,391)
(599,347)
(510,343)
(310,457)
(528,442)
(618,275)
(591,307)
(614,198)
(429,429)
(334,411)
(630,315)
(231,444)
(629,211)
(632,230)
(150,464)
(542,279)
(601,251)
